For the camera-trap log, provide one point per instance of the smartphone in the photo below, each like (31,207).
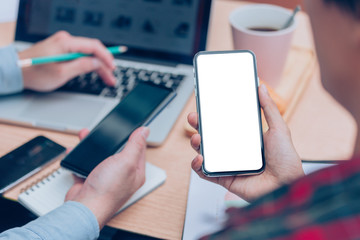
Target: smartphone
(137,109)
(226,89)
(27,160)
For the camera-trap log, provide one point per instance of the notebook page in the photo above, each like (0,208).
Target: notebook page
(49,193)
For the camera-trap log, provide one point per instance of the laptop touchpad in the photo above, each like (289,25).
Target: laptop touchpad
(64,109)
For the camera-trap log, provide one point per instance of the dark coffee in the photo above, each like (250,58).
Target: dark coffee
(263,29)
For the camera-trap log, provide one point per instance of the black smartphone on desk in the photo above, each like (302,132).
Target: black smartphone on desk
(137,109)
(27,160)
(229,113)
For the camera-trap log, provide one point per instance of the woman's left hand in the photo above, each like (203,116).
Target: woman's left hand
(48,77)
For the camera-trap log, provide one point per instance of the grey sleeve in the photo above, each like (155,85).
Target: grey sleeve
(72,220)
(11,80)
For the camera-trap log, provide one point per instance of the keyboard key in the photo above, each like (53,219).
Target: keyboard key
(157,81)
(110,94)
(169,84)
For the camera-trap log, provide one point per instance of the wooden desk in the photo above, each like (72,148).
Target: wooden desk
(320,129)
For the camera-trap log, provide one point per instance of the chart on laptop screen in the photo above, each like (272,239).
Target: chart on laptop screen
(163,25)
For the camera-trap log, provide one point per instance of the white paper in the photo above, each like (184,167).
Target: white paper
(205,212)
(8,10)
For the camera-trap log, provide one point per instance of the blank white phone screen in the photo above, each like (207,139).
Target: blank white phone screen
(228,104)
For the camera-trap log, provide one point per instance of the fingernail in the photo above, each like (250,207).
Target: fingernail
(145,132)
(196,159)
(264,89)
(96,63)
(115,81)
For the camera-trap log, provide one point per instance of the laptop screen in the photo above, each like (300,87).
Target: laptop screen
(171,30)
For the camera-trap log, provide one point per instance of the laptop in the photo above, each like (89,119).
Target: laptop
(162,37)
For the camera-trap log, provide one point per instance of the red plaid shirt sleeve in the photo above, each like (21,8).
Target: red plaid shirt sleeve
(322,205)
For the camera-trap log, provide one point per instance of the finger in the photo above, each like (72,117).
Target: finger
(91,46)
(78,180)
(195,142)
(196,165)
(68,150)
(271,112)
(106,74)
(85,65)
(136,145)
(71,69)
(74,190)
(193,120)
(83,133)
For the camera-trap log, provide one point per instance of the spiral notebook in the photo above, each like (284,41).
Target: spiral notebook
(49,192)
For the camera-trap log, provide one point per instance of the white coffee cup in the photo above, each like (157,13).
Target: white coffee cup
(270,47)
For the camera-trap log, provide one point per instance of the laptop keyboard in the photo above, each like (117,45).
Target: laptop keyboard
(127,77)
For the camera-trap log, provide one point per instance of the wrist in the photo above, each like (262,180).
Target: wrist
(103,206)
(298,175)
(24,71)
(21,56)
(294,175)
(99,207)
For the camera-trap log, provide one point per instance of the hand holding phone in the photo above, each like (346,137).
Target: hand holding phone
(283,164)
(137,109)
(226,90)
